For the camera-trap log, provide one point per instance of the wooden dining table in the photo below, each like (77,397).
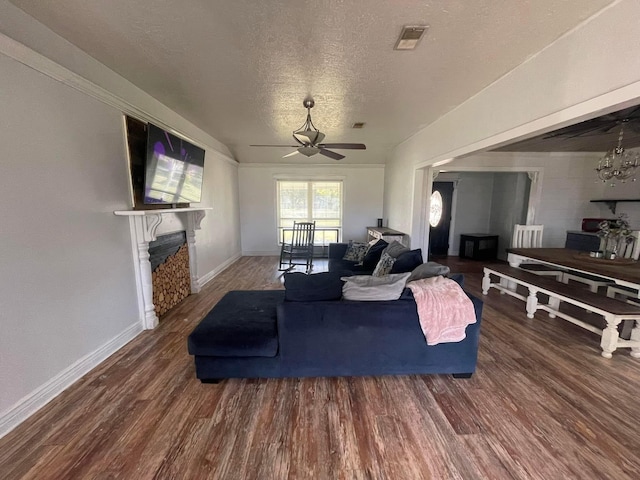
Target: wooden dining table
(623,271)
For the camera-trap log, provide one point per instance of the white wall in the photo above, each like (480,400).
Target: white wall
(508,207)
(486,202)
(218,242)
(473,206)
(585,71)
(67,286)
(567,182)
(362,200)
(67,281)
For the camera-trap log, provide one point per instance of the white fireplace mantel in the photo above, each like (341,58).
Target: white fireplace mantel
(144,225)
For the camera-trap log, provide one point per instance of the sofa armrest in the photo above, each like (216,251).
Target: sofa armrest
(337,250)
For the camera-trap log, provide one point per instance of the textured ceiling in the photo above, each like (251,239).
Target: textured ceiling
(240,69)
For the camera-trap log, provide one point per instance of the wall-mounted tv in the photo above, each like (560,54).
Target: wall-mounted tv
(173,169)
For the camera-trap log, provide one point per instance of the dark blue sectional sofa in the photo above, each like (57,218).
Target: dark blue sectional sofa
(275,333)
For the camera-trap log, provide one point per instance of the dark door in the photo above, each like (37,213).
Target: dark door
(441,200)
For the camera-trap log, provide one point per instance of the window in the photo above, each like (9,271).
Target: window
(436,209)
(308,201)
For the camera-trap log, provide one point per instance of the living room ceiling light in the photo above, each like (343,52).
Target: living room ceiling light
(617,164)
(410,36)
(308,134)
(309,137)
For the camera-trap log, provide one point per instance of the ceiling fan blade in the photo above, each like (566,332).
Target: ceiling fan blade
(346,146)
(330,154)
(280,146)
(295,152)
(578,130)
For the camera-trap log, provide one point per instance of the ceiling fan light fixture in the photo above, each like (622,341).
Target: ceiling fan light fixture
(308,151)
(309,139)
(308,136)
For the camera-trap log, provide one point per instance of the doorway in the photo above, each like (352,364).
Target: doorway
(488,202)
(440,218)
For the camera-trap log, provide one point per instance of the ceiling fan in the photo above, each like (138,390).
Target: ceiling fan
(309,137)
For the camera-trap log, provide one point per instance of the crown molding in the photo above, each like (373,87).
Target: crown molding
(38,62)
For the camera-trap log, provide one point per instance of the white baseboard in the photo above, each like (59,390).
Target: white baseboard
(203,280)
(37,399)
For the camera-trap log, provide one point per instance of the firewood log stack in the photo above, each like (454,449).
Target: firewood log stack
(171,281)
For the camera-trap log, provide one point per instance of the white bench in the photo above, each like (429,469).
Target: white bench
(614,311)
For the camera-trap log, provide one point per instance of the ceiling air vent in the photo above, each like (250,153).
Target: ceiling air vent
(358,125)
(410,36)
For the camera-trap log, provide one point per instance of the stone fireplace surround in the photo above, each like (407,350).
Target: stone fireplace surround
(144,225)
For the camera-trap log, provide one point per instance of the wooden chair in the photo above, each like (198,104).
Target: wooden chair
(530,236)
(300,246)
(627,250)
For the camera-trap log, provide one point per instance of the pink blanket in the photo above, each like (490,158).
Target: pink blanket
(443,308)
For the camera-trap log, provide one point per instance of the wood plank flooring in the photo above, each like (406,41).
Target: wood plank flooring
(535,409)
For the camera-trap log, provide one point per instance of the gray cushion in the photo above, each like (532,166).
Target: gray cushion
(370,288)
(395,249)
(427,270)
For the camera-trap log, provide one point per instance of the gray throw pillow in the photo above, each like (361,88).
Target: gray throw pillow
(427,270)
(370,288)
(395,249)
(384,265)
(355,251)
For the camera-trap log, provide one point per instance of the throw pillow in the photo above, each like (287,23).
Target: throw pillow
(372,257)
(384,265)
(395,249)
(300,287)
(408,261)
(427,270)
(355,251)
(369,245)
(370,288)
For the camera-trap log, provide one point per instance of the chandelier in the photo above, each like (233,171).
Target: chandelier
(617,164)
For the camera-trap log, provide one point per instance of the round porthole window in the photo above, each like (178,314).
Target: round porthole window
(435,215)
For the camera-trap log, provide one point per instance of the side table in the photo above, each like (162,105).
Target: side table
(386,234)
(479,246)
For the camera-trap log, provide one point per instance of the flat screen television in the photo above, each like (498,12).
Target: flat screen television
(173,169)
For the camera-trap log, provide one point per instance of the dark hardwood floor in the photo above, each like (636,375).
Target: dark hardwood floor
(543,404)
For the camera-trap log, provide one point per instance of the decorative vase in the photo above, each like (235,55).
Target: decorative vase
(611,250)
